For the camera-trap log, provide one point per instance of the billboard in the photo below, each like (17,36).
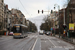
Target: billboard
(71,26)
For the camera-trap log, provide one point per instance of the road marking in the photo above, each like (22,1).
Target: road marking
(58,41)
(68,47)
(52,42)
(44,41)
(34,44)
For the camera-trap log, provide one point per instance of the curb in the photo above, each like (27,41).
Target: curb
(65,40)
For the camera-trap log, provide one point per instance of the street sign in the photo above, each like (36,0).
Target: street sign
(51,29)
(64,32)
(71,26)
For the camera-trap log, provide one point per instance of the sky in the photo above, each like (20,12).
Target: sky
(30,7)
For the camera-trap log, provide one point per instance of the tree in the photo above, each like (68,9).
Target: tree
(47,25)
(32,27)
(66,3)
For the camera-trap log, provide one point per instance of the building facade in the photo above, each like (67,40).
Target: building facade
(69,17)
(54,19)
(18,15)
(1,14)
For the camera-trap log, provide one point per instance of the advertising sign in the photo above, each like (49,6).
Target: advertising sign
(51,29)
(71,26)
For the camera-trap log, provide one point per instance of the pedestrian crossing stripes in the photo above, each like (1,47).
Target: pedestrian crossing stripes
(66,47)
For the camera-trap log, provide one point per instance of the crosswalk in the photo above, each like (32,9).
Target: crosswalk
(65,47)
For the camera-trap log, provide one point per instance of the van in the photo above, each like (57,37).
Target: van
(41,32)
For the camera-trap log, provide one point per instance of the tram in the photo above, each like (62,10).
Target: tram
(19,31)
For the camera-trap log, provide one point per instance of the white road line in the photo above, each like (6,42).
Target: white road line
(69,47)
(52,42)
(34,44)
(58,41)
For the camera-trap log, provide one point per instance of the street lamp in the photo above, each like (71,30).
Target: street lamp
(12,20)
(7,20)
(58,16)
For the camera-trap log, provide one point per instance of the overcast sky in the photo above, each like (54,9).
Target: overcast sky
(30,7)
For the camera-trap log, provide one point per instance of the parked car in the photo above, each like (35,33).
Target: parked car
(48,33)
(11,34)
(41,32)
(45,32)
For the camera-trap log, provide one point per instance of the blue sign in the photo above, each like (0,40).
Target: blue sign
(51,28)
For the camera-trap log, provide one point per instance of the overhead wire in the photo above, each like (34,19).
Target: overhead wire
(27,11)
(24,8)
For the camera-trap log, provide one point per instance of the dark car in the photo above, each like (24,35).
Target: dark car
(44,32)
(48,33)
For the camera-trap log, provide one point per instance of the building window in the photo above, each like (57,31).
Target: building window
(74,20)
(2,1)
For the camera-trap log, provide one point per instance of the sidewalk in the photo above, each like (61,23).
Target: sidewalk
(3,35)
(73,40)
(0,35)
(70,40)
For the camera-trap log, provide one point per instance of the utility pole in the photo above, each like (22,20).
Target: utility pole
(58,17)
(7,21)
(64,17)
(68,18)
(64,23)
(54,21)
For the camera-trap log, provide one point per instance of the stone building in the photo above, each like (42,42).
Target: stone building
(54,20)
(1,14)
(71,7)
(69,17)
(19,16)
(61,20)
(12,17)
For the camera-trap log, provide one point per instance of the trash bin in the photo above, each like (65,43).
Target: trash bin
(4,33)
(51,34)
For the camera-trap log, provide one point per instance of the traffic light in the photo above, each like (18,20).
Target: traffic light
(64,26)
(54,7)
(38,11)
(51,11)
(42,11)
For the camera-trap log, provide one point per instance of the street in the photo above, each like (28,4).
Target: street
(34,41)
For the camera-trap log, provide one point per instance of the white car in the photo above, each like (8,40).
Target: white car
(41,32)
(11,34)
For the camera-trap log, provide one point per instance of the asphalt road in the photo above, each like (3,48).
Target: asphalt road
(34,41)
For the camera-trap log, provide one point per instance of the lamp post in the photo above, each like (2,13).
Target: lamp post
(58,17)
(12,20)
(54,21)
(7,21)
